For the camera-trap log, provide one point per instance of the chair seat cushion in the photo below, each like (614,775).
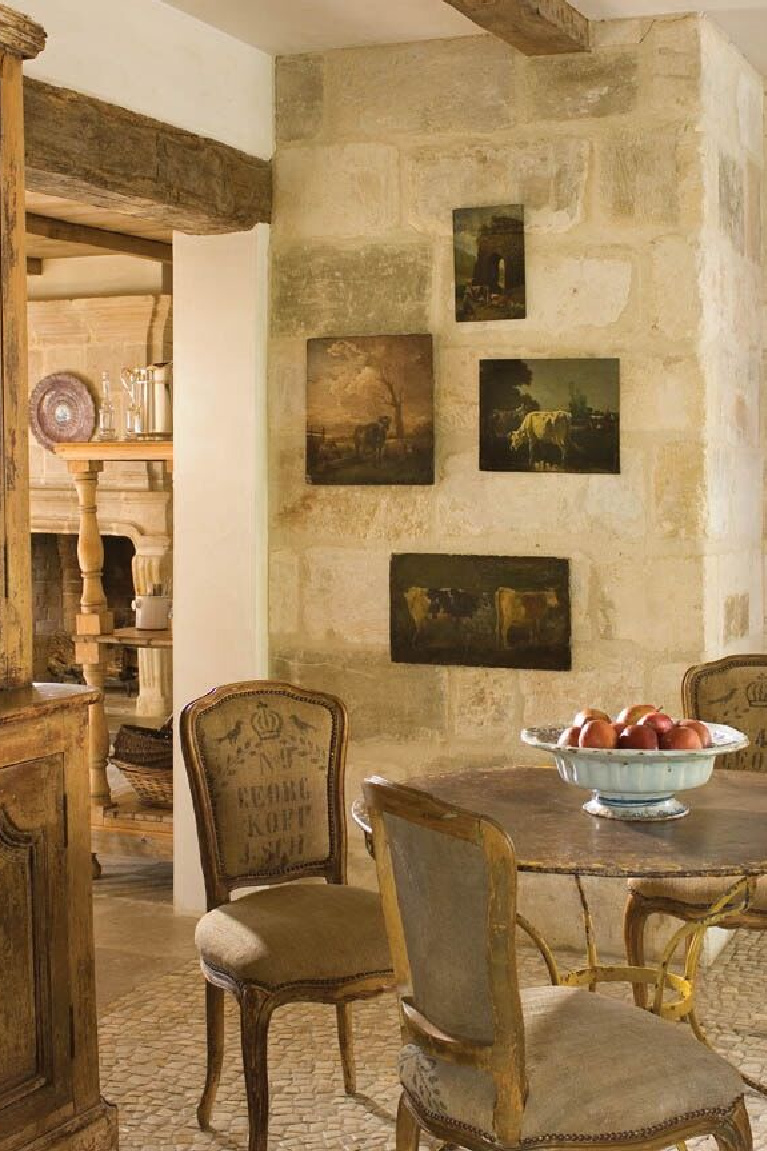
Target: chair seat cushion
(696,893)
(596,1069)
(297,933)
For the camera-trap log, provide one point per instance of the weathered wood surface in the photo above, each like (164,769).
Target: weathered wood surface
(722,835)
(53,229)
(85,149)
(34,266)
(20,36)
(535,27)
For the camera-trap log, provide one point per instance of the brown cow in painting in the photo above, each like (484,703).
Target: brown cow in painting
(523,611)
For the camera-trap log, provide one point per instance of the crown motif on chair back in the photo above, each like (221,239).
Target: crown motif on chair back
(756,692)
(265,721)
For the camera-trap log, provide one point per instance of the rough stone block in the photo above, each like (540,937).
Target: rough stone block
(674,311)
(643,176)
(736,616)
(345,190)
(465,85)
(587,86)
(732,201)
(548,178)
(299,88)
(485,704)
(662,394)
(375,289)
(345,596)
(571,292)
(284,603)
(753,221)
(671,66)
(385,700)
(679,505)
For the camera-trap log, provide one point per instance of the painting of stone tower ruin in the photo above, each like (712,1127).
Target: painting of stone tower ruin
(489,252)
(370,410)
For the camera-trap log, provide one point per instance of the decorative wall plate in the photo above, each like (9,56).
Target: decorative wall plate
(61,410)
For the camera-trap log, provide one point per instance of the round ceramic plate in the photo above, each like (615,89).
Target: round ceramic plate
(61,410)
(632,783)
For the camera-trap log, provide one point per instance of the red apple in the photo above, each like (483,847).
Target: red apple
(703,733)
(569,737)
(587,713)
(658,720)
(632,714)
(598,733)
(639,735)
(679,738)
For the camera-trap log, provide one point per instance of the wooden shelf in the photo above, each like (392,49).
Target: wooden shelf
(131,637)
(120,450)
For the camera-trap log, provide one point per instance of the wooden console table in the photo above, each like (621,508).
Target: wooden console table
(135,830)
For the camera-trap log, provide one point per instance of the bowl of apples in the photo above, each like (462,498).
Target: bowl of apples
(635,763)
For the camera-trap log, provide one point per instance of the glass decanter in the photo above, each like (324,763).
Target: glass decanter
(106,430)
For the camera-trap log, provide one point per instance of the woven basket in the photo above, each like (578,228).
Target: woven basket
(153,785)
(144,755)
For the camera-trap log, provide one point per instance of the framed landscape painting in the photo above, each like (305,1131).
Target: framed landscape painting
(370,410)
(549,415)
(489,257)
(480,611)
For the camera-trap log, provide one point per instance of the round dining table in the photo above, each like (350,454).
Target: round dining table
(724,835)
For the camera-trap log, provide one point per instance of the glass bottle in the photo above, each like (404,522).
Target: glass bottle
(132,415)
(106,410)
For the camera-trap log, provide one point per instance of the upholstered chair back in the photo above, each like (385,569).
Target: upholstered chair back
(448,882)
(732,690)
(266,762)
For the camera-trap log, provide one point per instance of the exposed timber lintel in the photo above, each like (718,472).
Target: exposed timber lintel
(73,233)
(534,27)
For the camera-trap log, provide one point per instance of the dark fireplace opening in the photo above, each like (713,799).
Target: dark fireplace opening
(56,591)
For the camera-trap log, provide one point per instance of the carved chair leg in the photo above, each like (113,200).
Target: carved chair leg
(635,918)
(346,1043)
(214,1022)
(408,1131)
(734,1133)
(255,1013)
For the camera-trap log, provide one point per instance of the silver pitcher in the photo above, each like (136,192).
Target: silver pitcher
(150,410)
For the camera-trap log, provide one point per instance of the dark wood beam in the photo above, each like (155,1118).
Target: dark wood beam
(84,149)
(85,234)
(535,27)
(34,266)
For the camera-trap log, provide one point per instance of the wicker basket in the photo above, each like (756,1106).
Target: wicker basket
(145,757)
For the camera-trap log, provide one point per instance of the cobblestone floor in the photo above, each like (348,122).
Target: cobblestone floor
(152,1051)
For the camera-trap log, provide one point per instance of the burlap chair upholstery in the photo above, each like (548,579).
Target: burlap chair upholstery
(489,1067)
(626,1067)
(266,764)
(698,894)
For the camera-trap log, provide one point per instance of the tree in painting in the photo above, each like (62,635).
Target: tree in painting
(370,410)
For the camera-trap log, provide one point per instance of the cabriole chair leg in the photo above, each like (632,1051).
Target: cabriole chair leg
(255,1014)
(735,1132)
(634,922)
(214,1021)
(408,1131)
(346,1044)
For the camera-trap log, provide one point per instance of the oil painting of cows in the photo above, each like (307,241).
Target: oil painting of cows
(370,410)
(549,415)
(480,611)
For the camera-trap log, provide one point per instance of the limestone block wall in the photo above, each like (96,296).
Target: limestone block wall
(376,146)
(732,285)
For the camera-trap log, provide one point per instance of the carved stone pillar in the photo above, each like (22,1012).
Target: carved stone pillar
(151,566)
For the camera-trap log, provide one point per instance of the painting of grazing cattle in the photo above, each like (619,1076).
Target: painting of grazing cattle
(489,257)
(480,611)
(370,410)
(549,415)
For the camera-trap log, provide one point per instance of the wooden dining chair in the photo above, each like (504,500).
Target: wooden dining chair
(488,1066)
(732,690)
(266,762)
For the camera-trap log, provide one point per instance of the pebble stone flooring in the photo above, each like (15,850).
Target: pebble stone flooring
(152,1042)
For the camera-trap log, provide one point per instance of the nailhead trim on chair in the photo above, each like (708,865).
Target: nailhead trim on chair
(338,982)
(609,1137)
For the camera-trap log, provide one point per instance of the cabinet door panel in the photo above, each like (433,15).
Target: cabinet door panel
(35,1027)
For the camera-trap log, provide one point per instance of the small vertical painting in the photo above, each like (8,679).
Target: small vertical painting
(481,611)
(549,415)
(370,410)
(489,255)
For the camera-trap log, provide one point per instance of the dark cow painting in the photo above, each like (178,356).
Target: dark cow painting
(370,410)
(549,415)
(489,257)
(481,611)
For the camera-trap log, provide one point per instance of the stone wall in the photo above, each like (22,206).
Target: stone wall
(376,146)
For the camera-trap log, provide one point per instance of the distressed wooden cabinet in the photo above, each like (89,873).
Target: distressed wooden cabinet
(49,1078)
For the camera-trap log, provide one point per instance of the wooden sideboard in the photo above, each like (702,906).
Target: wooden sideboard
(49,1075)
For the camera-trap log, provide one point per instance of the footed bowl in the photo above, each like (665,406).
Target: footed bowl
(630,783)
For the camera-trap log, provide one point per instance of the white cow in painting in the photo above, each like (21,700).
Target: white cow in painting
(543,428)
(522,610)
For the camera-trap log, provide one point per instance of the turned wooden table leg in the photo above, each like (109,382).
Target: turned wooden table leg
(94,619)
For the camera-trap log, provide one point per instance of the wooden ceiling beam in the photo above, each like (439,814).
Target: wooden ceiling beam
(534,27)
(119,242)
(84,149)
